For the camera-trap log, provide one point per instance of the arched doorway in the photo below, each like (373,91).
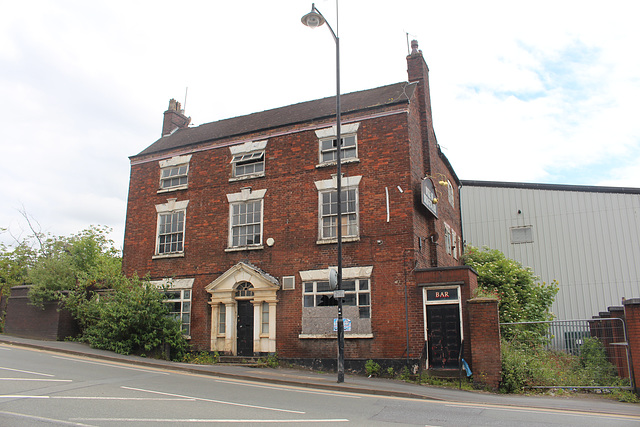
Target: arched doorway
(243,311)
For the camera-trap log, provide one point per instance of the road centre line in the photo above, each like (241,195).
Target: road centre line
(213,421)
(113,365)
(27,372)
(292,388)
(214,400)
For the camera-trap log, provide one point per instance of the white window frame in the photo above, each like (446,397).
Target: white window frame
(450,193)
(312,291)
(250,152)
(329,186)
(222,319)
(172,207)
(179,165)
(185,288)
(454,244)
(327,135)
(447,238)
(245,197)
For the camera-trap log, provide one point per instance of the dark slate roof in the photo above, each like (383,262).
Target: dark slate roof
(290,115)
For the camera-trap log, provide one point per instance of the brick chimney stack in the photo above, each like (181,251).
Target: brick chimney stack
(419,73)
(174,118)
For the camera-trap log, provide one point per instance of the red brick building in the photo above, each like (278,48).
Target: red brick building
(237,217)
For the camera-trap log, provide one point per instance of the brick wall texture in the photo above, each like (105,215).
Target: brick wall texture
(485,342)
(26,320)
(632,316)
(396,148)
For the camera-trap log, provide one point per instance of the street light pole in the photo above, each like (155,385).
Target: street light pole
(315,19)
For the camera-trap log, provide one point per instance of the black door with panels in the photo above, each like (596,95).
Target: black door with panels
(443,335)
(245,328)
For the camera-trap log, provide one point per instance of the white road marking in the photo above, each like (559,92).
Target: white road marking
(290,388)
(214,400)
(52,420)
(35,379)
(212,421)
(27,372)
(113,365)
(154,399)
(21,396)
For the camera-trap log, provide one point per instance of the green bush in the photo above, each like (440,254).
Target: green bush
(521,297)
(524,367)
(372,368)
(130,319)
(84,261)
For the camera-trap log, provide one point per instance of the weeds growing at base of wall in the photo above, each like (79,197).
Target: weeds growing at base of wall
(525,367)
(202,358)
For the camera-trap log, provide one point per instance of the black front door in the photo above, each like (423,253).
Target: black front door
(443,335)
(245,328)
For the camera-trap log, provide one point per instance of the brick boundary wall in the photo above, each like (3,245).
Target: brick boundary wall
(26,320)
(632,316)
(484,325)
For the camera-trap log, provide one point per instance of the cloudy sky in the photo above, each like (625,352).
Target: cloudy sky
(526,91)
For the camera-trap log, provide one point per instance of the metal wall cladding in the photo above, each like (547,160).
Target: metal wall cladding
(586,238)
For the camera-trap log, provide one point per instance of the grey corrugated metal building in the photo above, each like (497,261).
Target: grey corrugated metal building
(585,237)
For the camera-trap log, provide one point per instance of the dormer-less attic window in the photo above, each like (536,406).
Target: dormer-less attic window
(248,164)
(248,160)
(174,173)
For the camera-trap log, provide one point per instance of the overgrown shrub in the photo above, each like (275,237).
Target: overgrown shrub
(521,297)
(525,366)
(130,319)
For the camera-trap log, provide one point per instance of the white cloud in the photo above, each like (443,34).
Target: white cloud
(544,91)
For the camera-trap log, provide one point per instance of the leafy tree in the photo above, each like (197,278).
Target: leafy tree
(87,260)
(14,265)
(522,297)
(84,272)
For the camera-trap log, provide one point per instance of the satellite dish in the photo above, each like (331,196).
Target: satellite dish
(333,279)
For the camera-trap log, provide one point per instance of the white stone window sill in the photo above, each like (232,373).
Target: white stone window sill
(168,190)
(335,163)
(334,336)
(175,255)
(242,178)
(344,240)
(244,248)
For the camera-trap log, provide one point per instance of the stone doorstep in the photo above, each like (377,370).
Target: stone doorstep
(445,373)
(241,361)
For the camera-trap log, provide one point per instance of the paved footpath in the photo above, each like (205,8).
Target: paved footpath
(352,383)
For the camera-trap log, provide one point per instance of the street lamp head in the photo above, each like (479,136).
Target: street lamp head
(313,19)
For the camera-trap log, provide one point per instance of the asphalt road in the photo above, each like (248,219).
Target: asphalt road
(41,388)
